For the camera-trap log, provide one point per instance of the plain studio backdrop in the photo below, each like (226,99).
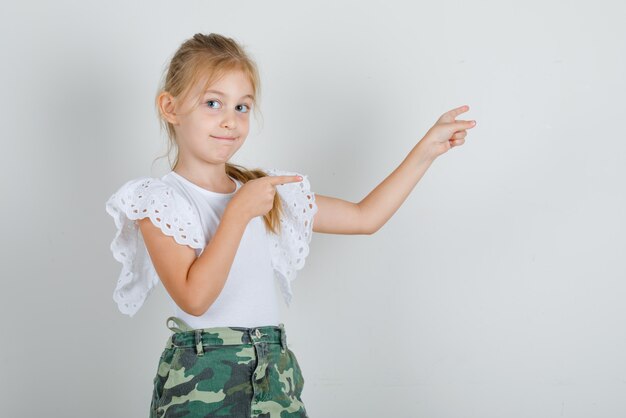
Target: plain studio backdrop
(496,290)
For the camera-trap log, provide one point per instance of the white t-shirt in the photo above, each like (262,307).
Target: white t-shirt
(191,215)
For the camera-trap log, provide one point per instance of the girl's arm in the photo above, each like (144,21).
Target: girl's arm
(336,216)
(195,283)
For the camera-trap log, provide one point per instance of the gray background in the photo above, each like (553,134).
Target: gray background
(496,290)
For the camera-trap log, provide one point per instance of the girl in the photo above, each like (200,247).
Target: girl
(217,235)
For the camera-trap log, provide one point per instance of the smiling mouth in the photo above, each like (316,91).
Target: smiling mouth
(227,138)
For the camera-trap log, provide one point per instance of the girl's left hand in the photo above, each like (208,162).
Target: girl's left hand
(446,133)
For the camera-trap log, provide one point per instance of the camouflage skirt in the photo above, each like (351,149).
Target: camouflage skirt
(227,372)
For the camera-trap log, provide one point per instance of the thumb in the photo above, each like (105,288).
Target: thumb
(458,125)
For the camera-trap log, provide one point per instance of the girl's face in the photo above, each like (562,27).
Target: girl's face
(216,128)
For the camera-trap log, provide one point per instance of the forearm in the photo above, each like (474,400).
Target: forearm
(382,202)
(208,273)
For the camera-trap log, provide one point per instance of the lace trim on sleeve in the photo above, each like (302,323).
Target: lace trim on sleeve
(137,199)
(290,249)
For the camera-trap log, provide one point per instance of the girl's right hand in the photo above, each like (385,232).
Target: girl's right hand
(446,133)
(256,197)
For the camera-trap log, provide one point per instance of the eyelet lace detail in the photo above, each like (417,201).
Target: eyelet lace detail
(290,249)
(137,199)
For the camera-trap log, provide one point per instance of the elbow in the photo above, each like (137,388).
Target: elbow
(193,300)
(366,227)
(194,311)
(197,308)
(190,308)
(188,301)
(371,231)
(190,304)
(369,228)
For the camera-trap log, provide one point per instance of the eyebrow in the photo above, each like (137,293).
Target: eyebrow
(219,92)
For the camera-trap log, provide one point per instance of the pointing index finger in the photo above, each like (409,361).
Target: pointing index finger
(276,180)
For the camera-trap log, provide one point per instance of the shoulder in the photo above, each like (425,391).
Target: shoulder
(157,199)
(138,194)
(137,185)
(133,191)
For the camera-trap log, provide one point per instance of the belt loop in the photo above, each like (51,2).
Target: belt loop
(283,337)
(182,325)
(199,349)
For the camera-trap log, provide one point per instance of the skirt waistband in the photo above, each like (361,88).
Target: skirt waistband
(186,336)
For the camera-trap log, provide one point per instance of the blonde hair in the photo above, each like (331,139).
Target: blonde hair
(211,56)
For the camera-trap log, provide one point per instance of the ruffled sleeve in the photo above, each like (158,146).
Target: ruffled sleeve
(172,213)
(290,249)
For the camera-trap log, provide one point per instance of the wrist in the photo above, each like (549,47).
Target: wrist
(419,155)
(235,213)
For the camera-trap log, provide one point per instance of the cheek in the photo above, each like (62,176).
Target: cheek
(245,120)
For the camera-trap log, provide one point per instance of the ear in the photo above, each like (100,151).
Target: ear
(167,107)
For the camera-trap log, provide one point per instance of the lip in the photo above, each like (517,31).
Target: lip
(228,138)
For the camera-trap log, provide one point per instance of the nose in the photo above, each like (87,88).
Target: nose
(228,121)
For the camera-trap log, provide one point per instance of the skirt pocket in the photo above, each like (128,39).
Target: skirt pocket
(297,374)
(216,383)
(162,375)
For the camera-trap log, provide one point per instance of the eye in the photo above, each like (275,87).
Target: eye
(212,101)
(246,106)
